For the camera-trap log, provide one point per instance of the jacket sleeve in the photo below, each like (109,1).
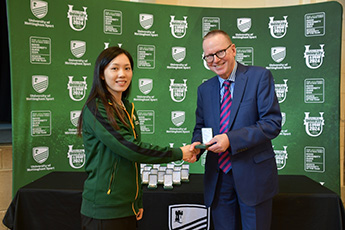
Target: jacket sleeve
(263,115)
(122,141)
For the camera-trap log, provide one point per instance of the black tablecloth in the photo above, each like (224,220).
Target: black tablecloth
(53,202)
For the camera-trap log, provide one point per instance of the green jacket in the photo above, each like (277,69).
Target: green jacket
(113,157)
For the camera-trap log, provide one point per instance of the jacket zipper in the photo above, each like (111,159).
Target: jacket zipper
(112,179)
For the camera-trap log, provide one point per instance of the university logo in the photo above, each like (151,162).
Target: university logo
(281,90)
(281,156)
(189,216)
(278,28)
(244,24)
(314,125)
(77,89)
(39,8)
(278,53)
(178,53)
(283,118)
(40,154)
(178,91)
(205,63)
(78,48)
(178,117)
(146,20)
(314,57)
(145,85)
(74,117)
(77,19)
(76,157)
(178,27)
(40,83)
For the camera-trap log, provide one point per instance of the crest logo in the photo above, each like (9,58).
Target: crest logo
(205,63)
(278,28)
(76,157)
(178,118)
(281,90)
(314,57)
(283,118)
(39,83)
(178,27)
(77,89)
(244,24)
(74,117)
(188,216)
(281,156)
(178,91)
(39,8)
(146,20)
(77,19)
(314,125)
(278,53)
(178,53)
(78,48)
(145,85)
(40,154)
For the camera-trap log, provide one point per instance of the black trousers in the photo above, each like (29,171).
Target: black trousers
(125,223)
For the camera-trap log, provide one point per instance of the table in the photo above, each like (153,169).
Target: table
(53,202)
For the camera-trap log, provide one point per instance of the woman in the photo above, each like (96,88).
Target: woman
(111,134)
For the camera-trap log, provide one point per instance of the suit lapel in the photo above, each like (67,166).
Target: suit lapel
(240,85)
(215,104)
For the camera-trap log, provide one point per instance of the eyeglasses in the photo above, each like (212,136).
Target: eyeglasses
(220,54)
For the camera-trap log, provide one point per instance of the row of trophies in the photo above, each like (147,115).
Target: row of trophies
(168,176)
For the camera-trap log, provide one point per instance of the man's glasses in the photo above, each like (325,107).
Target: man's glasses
(220,54)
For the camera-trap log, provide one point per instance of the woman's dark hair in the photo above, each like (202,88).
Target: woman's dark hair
(99,89)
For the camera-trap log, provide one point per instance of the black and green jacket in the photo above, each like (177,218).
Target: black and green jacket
(113,157)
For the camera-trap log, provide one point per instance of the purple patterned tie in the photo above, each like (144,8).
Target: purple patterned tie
(224,157)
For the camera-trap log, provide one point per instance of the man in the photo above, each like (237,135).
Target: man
(241,191)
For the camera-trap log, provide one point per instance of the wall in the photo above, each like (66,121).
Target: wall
(6,150)
(5,179)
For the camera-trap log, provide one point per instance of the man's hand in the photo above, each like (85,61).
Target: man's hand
(219,143)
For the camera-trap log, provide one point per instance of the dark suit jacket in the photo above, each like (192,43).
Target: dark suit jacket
(255,120)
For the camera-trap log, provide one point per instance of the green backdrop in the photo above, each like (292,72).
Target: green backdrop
(54,44)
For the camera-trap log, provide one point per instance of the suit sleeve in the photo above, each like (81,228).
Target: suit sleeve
(259,119)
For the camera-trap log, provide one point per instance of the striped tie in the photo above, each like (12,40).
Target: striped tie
(224,157)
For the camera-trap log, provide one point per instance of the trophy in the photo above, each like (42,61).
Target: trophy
(207,135)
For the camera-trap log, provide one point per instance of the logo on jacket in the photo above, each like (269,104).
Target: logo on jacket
(77,89)
(40,154)
(39,8)
(77,19)
(189,216)
(278,28)
(281,90)
(314,125)
(178,27)
(178,91)
(76,157)
(281,157)
(314,57)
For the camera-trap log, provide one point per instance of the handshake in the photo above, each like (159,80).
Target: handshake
(190,152)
